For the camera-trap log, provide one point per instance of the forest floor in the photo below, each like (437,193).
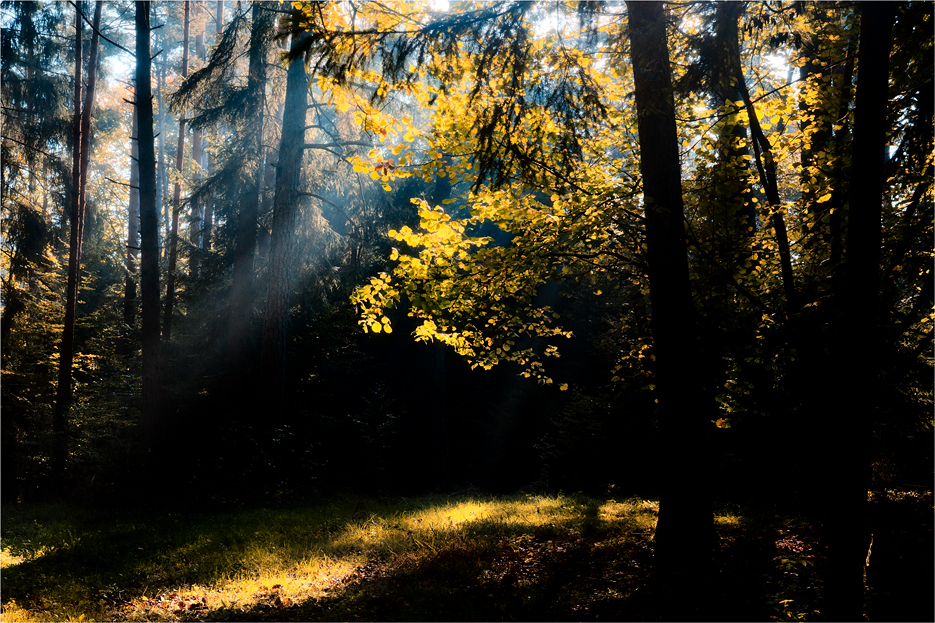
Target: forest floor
(457,557)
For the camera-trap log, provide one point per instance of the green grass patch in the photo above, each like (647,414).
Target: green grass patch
(61,563)
(518,557)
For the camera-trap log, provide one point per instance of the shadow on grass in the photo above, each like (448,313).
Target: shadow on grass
(430,558)
(436,552)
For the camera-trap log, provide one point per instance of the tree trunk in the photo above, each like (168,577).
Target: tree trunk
(269,187)
(766,169)
(162,188)
(133,227)
(149,229)
(848,467)
(841,139)
(243,289)
(176,195)
(198,155)
(208,224)
(86,121)
(285,210)
(685,527)
(66,353)
(79,179)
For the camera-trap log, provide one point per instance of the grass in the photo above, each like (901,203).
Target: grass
(62,563)
(432,557)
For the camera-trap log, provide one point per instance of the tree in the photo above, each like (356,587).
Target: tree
(79,180)
(196,222)
(149,231)
(208,224)
(849,468)
(285,210)
(133,226)
(685,518)
(176,196)
(242,293)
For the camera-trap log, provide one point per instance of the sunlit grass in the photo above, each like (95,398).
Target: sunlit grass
(7,559)
(175,567)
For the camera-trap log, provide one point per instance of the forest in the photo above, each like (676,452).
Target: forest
(456,310)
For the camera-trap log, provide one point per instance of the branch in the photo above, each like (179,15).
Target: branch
(121,183)
(99,33)
(341,144)
(10,138)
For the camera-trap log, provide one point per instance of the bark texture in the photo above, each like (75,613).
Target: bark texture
(685,527)
(149,229)
(81,155)
(176,195)
(133,227)
(285,211)
(851,410)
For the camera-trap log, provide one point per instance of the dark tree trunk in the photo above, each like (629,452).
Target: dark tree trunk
(685,527)
(285,210)
(269,187)
(66,353)
(841,143)
(848,436)
(176,195)
(198,155)
(133,227)
(149,229)
(82,135)
(243,288)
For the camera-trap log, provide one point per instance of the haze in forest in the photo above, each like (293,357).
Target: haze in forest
(638,292)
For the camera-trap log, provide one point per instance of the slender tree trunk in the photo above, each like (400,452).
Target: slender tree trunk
(269,187)
(86,120)
(162,181)
(841,140)
(66,352)
(848,467)
(766,168)
(83,137)
(685,527)
(285,210)
(243,288)
(149,229)
(198,155)
(133,227)
(29,33)
(176,195)
(208,225)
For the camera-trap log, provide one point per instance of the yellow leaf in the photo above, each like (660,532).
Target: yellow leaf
(409,137)
(374,175)
(376,327)
(824,198)
(563,387)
